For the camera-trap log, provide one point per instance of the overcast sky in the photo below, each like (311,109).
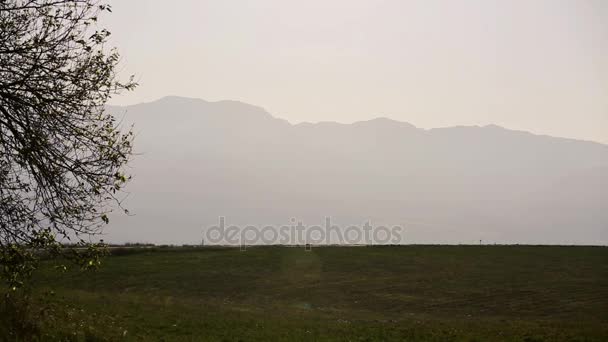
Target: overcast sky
(540,66)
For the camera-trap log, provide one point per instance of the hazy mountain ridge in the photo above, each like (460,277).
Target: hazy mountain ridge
(201,160)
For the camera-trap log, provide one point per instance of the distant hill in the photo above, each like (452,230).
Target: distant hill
(200,160)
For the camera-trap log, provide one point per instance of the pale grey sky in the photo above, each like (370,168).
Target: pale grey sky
(540,66)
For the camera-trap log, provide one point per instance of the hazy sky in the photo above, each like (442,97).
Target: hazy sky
(540,66)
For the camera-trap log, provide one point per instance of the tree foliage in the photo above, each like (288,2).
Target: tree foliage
(62,157)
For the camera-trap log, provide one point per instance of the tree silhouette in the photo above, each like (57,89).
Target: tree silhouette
(62,157)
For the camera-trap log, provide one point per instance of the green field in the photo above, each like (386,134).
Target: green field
(435,293)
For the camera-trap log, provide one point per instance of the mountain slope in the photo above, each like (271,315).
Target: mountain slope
(201,160)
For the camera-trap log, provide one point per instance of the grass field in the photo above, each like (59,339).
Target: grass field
(435,293)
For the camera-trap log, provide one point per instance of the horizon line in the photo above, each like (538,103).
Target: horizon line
(375,118)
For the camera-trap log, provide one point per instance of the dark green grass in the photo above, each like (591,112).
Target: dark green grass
(520,293)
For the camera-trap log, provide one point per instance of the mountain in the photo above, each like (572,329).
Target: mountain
(200,160)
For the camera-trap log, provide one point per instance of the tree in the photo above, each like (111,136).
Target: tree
(62,157)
